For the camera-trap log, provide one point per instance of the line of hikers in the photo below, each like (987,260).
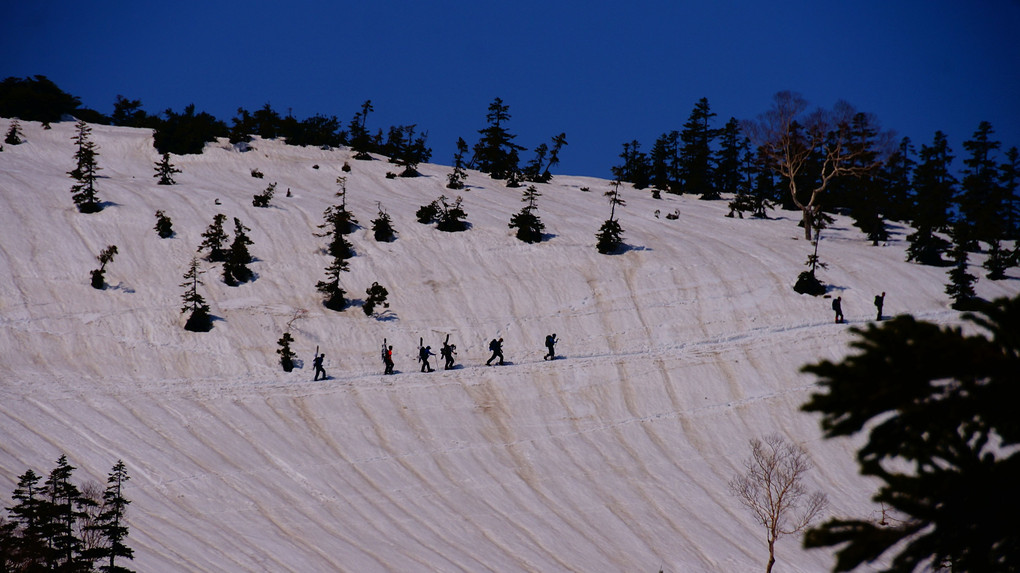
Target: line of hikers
(837,307)
(449,352)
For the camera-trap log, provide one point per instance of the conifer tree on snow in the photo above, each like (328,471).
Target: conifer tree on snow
(359,138)
(376,295)
(406,150)
(14,134)
(164,226)
(28,514)
(934,187)
(199,320)
(610,235)
(98,275)
(999,260)
(343,220)
(496,153)
(961,282)
(382,227)
(165,171)
(981,201)
(451,215)
(111,523)
(455,180)
(335,219)
(529,226)
(330,288)
(1009,179)
(636,168)
(63,508)
(537,170)
(664,163)
(86,171)
(697,171)
(896,180)
(263,199)
(235,267)
(214,238)
(286,354)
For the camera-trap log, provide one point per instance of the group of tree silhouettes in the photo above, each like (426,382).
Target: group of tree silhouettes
(839,160)
(55,525)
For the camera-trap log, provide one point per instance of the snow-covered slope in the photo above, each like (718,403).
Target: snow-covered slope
(615,458)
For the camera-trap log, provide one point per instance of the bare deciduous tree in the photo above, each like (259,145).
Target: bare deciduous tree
(790,138)
(773,489)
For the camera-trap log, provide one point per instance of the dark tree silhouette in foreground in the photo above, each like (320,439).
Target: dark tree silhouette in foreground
(164,226)
(938,409)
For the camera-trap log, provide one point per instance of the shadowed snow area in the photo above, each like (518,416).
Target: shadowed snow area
(675,353)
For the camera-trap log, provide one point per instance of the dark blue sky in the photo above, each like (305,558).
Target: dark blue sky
(602,72)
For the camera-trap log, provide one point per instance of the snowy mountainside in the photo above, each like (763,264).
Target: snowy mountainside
(615,458)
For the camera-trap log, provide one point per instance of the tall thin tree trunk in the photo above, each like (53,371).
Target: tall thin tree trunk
(772,555)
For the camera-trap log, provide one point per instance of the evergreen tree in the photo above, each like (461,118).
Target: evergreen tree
(696,168)
(537,170)
(451,215)
(214,239)
(164,226)
(65,503)
(610,235)
(35,99)
(961,282)
(336,220)
(934,187)
(732,149)
(496,153)
(999,260)
(286,354)
(343,221)
(98,275)
(235,267)
(129,113)
(111,524)
(981,202)
(330,288)
(529,226)
(1009,179)
(263,199)
(455,180)
(863,191)
(895,178)
(428,214)
(636,168)
(359,138)
(199,320)
(187,132)
(934,410)
(382,226)
(406,150)
(14,134)
(86,171)
(376,295)
(29,516)
(664,163)
(165,170)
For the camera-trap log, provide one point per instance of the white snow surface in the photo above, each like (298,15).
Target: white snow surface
(614,458)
